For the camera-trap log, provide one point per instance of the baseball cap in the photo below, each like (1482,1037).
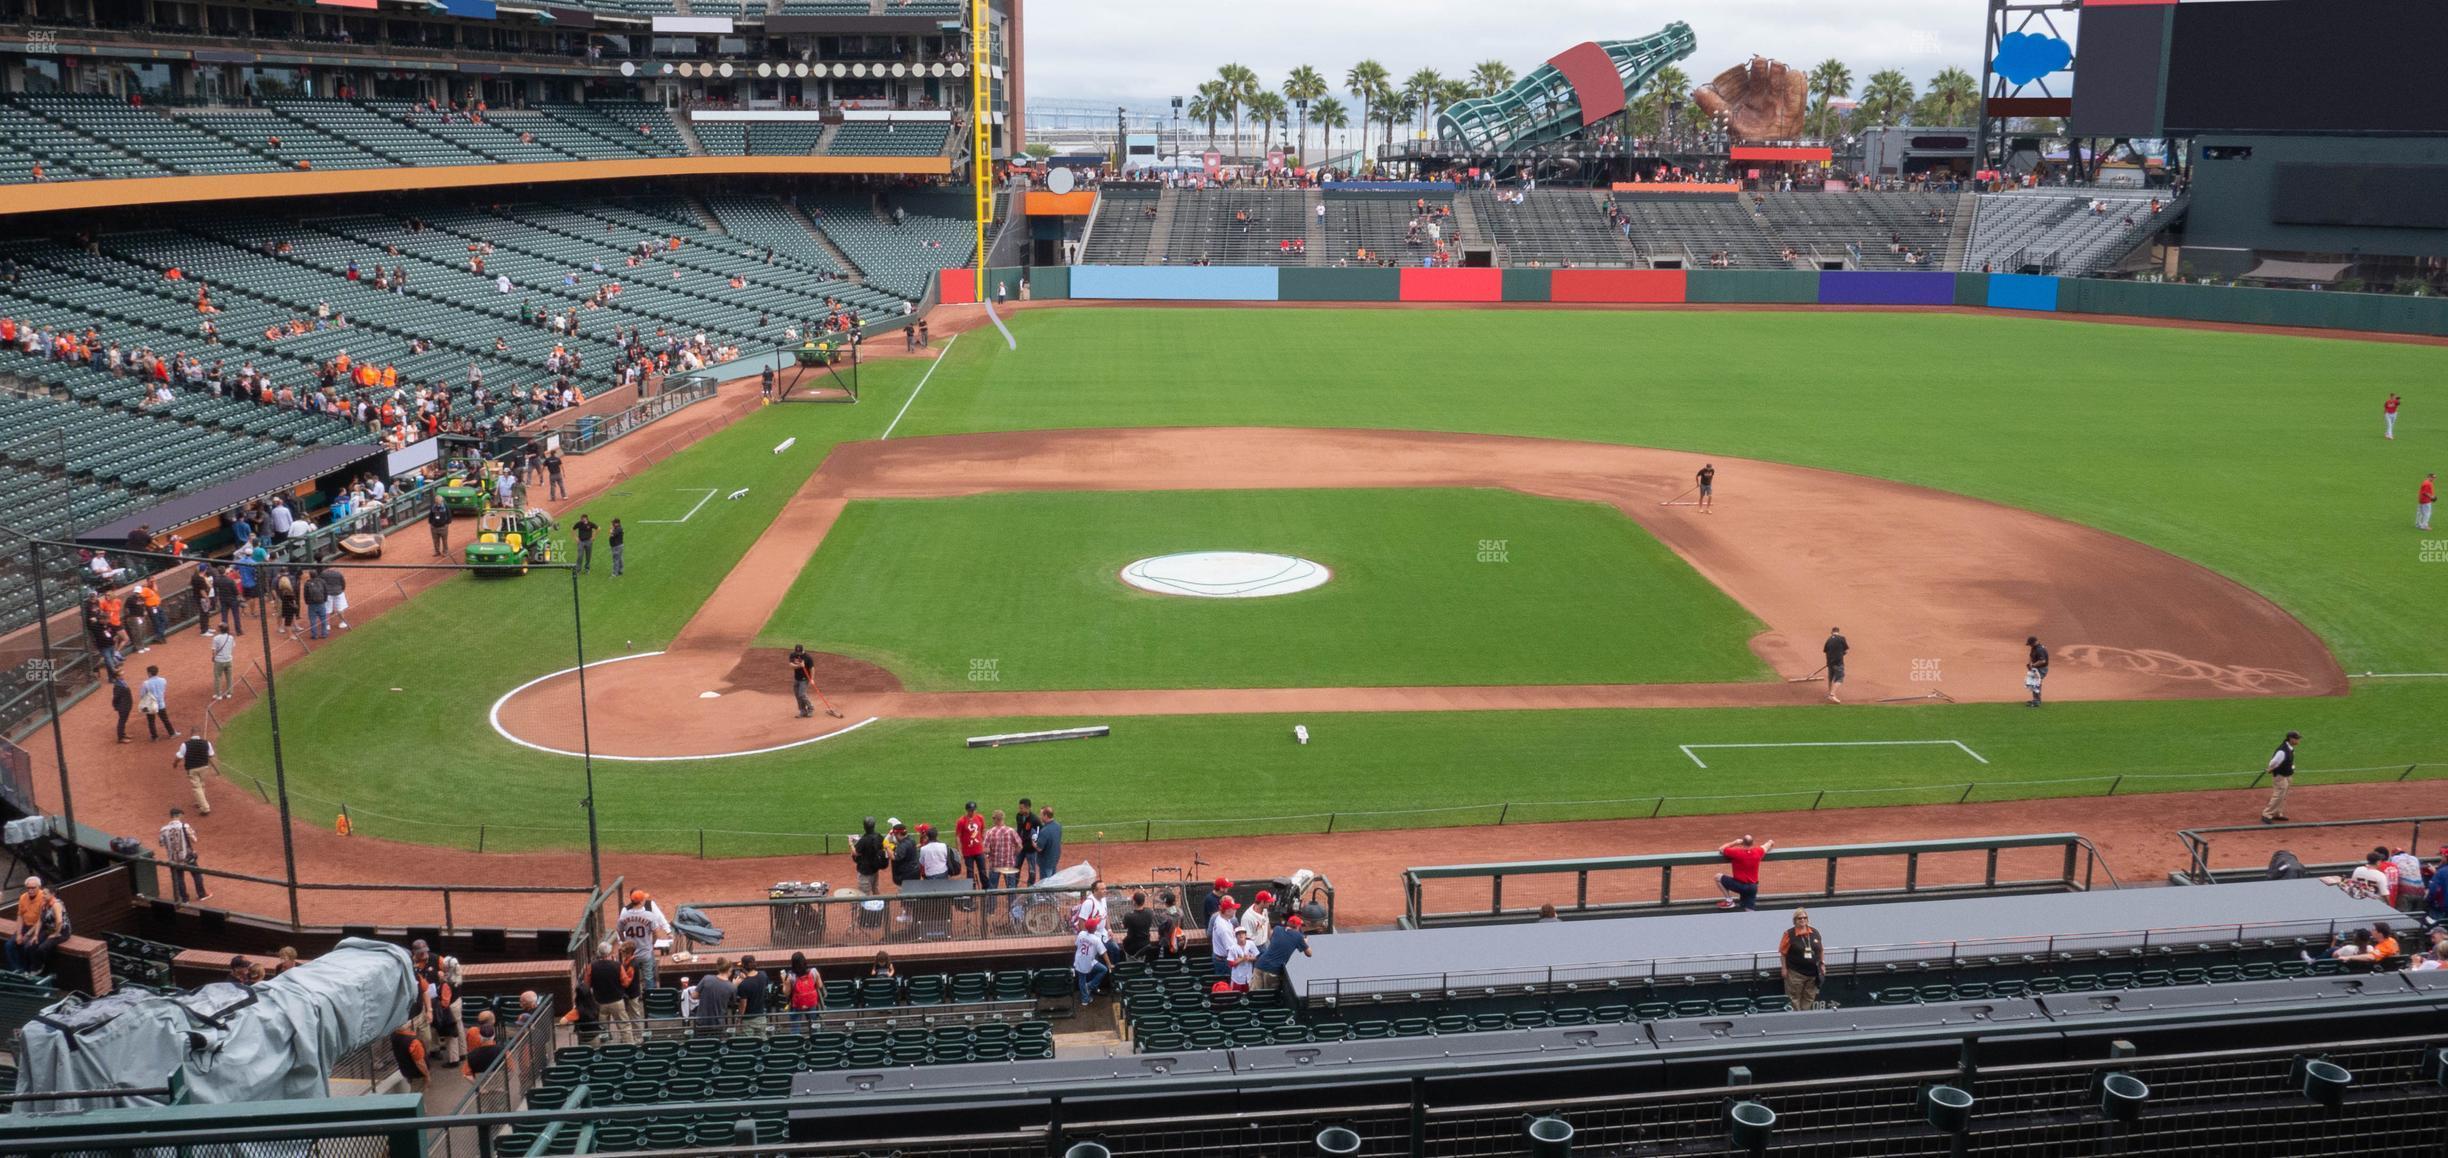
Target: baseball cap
(895,822)
(1091,922)
(1229,903)
(1293,921)
(1265,897)
(637,896)
(1223,883)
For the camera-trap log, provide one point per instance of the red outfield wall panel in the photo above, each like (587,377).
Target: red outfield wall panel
(1453,285)
(1653,286)
(956,286)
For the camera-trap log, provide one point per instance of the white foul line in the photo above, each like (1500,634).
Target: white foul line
(684,518)
(495,717)
(1695,756)
(2397,675)
(922,381)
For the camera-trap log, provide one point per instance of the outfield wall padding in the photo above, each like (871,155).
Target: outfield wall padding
(1205,283)
(1855,287)
(956,286)
(2352,312)
(1003,283)
(1781,286)
(1526,285)
(2016,291)
(1972,289)
(1302,284)
(1453,285)
(1650,286)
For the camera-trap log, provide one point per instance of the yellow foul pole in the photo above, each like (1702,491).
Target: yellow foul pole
(981,148)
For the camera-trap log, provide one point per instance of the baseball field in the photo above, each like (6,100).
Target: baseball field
(2206,526)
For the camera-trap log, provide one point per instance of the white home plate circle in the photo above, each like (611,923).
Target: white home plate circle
(1225,574)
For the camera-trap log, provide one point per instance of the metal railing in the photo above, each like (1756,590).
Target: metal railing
(594,432)
(958,913)
(151,885)
(1935,956)
(2079,861)
(2199,871)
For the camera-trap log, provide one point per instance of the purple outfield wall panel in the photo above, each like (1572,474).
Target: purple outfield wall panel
(1594,80)
(1886,288)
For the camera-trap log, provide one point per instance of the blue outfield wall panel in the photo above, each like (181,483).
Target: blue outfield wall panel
(1197,283)
(1853,287)
(2020,291)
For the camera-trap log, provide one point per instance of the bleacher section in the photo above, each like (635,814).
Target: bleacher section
(490,141)
(1382,226)
(597,131)
(80,137)
(1552,227)
(27,138)
(2055,231)
(923,1020)
(784,138)
(889,139)
(1829,226)
(1695,229)
(285,142)
(899,259)
(169,143)
(1125,224)
(1237,226)
(125,452)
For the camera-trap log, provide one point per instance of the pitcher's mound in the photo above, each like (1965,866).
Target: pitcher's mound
(768,668)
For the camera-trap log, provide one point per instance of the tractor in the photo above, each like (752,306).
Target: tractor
(509,540)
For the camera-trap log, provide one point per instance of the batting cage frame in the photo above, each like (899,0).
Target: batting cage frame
(831,356)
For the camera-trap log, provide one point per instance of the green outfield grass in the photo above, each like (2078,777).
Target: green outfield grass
(1028,585)
(2257,455)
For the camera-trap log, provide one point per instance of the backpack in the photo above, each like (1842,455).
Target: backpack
(806,991)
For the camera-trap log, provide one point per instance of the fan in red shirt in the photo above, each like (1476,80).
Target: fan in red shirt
(1741,884)
(970,830)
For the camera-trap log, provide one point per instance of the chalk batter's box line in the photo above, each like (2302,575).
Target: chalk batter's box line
(709,494)
(1967,749)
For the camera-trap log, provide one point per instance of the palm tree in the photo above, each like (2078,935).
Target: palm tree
(1952,95)
(1305,84)
(1237,84)
(1830,82)
(1208,105)
(1489,77)
(1886,98)
(1397,108)
(1330,115)
(1421,89)
(1367,81)
(1647,114)
(1268,110)
(1454,91)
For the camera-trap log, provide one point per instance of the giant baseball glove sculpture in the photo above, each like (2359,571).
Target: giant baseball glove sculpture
(1761,101)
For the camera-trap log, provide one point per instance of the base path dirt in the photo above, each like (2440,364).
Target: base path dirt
(1935,591)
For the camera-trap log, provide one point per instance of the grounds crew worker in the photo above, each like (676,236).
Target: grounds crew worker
(438,521)
(1834,649)
(195,756)
(2282,777)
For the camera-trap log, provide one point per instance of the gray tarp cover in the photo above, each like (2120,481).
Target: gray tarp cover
(278,1039)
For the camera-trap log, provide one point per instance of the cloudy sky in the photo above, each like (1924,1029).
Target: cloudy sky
(1135,52)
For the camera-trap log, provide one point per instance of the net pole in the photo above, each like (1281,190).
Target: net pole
(280,771)
(50,678)
(586,738)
